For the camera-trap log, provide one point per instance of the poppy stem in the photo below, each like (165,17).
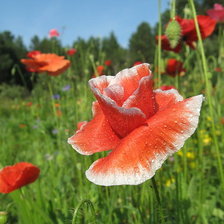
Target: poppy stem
(221,42)
(159,44)
(173,8)
(156,190)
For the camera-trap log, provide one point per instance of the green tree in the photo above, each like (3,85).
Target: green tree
(114,52)
(47,45)
(11,70)
(142,44)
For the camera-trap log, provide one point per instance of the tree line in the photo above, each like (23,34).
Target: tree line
(142,45)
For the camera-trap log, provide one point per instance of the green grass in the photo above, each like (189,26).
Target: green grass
(188,185)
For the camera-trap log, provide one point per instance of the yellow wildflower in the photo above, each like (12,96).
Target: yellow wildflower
(169,182)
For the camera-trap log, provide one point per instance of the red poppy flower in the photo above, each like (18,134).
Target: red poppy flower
(188,32)
(71,51)
(100,69)
(142,127)
(17,176)
(32,54)
(29,104)
(222,120)
(217,13)
(174,68)
(51,63)
(54,33)
(108,62)
(22,125)
(167,87)
(218,69)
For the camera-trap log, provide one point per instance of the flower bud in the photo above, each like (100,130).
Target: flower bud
(3,217)
(173,33)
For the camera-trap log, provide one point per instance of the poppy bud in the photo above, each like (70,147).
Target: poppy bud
(3,217)
(173,33)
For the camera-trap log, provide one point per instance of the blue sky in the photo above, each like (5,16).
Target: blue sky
(77,18)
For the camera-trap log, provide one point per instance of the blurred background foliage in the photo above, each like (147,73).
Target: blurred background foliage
(141,47)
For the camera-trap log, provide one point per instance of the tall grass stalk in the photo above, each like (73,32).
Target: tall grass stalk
(158,66)
(208,93)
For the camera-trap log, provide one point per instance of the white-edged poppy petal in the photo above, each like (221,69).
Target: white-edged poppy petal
(166,98)
(143,151)
(143,97)
(112,91)
(129,78)
(94,136)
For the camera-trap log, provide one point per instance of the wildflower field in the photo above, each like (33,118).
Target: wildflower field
(147,135)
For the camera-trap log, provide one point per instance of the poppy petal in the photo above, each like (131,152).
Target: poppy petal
(109,89)
(56,66)
(167,98)
(217,13)
(166,44)
(143,151)
(129,78)
(16,176)
(146,94)
(207,25)
(94,136)
(122,120)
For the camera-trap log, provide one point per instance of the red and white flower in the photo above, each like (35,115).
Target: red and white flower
(140,125)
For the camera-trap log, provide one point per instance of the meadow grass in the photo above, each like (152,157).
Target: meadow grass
(189,184)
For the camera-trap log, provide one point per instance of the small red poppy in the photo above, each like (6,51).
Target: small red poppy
(218,69)
(222,120)
(108,62)
(174,68)
(29,104)
(32,54)
(217,13)
(22,125)
(54,33)
(51,63)
(71,51)
(100,69)
(17,176)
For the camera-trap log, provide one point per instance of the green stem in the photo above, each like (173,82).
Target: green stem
(221,43)
(159,44)
(52,100)
(173,8)
(21,75)
(208,92)
(156,190)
